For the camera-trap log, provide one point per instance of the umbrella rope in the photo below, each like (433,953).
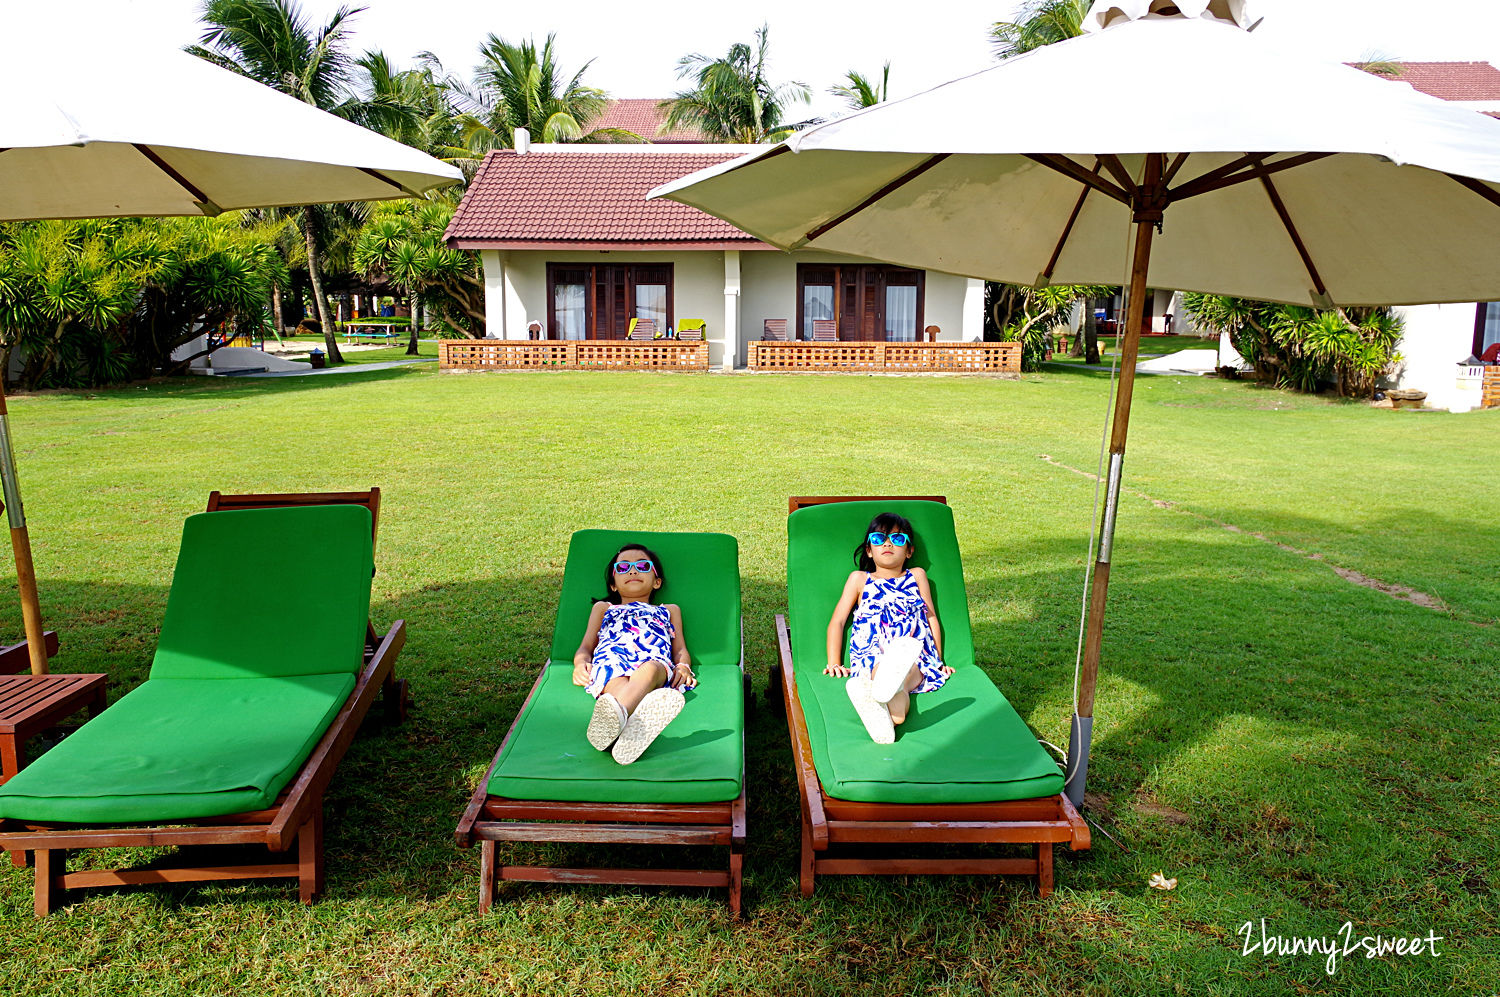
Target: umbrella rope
(1088,563)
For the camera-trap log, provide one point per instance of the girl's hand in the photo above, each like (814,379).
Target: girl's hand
(838,671)
(945,671)
(581,671)
(683,677)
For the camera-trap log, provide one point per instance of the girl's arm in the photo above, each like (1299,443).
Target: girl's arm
(681,676)
(836,623)
(932,619)
(583,658)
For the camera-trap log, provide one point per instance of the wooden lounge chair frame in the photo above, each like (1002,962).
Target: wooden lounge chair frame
(828,823)
(296,818)
(489,819)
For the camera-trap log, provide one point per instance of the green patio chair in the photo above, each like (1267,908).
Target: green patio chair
(236,733)
(547,784)
(965,769)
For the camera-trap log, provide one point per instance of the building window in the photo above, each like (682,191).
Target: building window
(1486,326)
(597,301)
(570,289)
(868,301)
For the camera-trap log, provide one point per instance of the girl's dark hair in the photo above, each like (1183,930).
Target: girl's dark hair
(610,595)
(886,522)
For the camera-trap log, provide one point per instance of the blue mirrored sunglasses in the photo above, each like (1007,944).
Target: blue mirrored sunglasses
(897,539)
(643,566)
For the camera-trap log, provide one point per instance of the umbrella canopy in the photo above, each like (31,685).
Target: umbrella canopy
(1208,162)
(92,132)
(89,131)
(1371,214)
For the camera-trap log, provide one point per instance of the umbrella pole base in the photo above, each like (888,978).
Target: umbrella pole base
(1080,737)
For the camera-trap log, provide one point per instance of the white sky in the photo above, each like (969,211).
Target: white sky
(635,47)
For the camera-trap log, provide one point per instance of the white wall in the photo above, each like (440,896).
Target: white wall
(1436,338)
(697,287)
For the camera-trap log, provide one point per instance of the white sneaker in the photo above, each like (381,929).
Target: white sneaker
(657,709)
(607,722)
(893,666)
(875,716)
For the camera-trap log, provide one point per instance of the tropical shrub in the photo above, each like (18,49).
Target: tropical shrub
(403,243)
(1306,349)
(1027,315)
(96,302)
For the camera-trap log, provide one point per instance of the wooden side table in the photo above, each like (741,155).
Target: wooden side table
(29,704)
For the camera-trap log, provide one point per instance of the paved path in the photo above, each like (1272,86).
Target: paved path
(348,368)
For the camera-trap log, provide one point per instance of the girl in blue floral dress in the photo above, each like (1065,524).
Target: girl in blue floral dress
(896,643)
(633,659)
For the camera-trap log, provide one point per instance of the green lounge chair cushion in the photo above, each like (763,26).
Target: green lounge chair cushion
(698,759)
(175,749)
(964,743)
(225,617)
(701,575)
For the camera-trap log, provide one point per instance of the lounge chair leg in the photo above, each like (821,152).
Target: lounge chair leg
(310,858)
(396,698)
(1044,868)
(805,877)
(736,878)
(486,876)
(51,863)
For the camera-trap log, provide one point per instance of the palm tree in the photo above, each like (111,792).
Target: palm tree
(861,92)
(733,100)
(1038,23)
(521,86)
(272,42)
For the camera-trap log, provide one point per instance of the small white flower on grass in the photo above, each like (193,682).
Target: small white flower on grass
(1160,882)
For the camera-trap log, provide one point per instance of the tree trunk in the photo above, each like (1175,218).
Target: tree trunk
(316,276)
(416,324)
(276,322)
(1090,337)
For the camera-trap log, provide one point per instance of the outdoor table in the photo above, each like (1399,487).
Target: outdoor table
(30,704)
(375,330)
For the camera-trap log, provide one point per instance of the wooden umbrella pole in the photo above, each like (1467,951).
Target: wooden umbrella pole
(1147,215)
(20,541)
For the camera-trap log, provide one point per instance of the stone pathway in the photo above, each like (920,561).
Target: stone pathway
(348,368)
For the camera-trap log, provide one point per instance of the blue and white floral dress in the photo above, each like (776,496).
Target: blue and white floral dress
(631,634)
(893,607)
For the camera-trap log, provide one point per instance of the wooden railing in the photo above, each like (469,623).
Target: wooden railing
(558,354)
(952,357)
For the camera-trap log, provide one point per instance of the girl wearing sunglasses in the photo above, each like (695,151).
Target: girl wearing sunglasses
(633,660)
(896,644)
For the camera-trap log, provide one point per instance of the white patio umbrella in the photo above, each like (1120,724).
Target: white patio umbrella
(89,131)
(1198,157)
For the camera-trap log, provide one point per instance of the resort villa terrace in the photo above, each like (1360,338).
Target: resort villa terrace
(581,270)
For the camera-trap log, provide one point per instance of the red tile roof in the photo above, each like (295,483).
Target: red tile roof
(640,115)
(587,200)
(1450,80)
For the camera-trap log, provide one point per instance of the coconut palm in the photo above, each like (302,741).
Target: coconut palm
(733,100)
(521,86)
(274,43)
(859,91)
(1038,23)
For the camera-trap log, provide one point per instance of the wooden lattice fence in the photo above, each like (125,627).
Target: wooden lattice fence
(965,358)
(556,354)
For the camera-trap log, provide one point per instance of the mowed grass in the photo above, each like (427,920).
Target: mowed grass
(1287,744)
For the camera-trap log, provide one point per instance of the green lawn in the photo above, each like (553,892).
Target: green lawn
(1151,346)
(1287,744)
